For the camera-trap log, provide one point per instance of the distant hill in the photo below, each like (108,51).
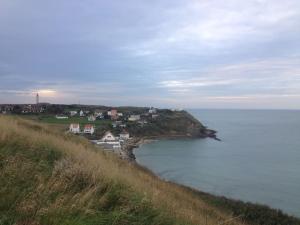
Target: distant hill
(162,123)
(48,177)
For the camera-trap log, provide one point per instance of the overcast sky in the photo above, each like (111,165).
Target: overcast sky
(165,53)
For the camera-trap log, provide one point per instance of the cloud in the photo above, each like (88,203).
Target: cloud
(275,75)
(210,25)
(161,51)
(192,83)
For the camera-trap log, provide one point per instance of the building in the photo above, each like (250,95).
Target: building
(154,116)
(108,137)
(61,117)
(142,122)
(81,113)
(114,114)
(89,129)
(177,110)
(124,135)
(134,118)
(91,118)
(73,113)
(98,115)
(117,124)
(74,128)
(152,110)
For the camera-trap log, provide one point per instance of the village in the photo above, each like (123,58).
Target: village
(104,126)
(117,136)
(114,129)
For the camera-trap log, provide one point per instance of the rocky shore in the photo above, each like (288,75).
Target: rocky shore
(135,142)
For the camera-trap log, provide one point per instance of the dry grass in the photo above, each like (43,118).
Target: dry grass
(86,162)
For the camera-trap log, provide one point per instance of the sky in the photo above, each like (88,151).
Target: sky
(163,53)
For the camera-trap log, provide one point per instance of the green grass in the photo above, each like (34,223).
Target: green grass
(48,177)
(53,120)
(39,185)
(75,119)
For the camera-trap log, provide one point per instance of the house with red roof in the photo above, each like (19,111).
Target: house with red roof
(89,129)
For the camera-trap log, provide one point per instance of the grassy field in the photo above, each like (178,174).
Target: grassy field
(63,124)
(75,119)
(53,120)
(48,177)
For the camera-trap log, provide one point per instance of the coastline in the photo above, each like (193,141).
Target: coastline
(249,212)
(136,142)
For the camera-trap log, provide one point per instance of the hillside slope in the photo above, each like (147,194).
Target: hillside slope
(172,123)
(47,177)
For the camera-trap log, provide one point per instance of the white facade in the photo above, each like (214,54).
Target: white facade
(152,110)
(81,113)
(89,129)
(91,118)
(98,114)
(61,117)
(134,118)
(74,128)
(154,116)
(124,135)
(73,113)
(108,136)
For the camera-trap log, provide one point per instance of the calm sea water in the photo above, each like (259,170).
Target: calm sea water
(258,159)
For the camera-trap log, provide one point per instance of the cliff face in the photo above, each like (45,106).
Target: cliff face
(173,123)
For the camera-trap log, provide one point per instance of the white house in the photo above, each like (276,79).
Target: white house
(61,117)
(91,118)
(124,135)
(142,122)
(74,128)
(134,118)
(73,113)
(117,124)
(108,136)
(177,110)
(154,116)
(98,114)
(81,113)
(120,114)
(152,110)
(89,129)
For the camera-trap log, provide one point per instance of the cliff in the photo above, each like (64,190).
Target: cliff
(172,124)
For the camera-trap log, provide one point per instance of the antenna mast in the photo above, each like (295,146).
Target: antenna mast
(37,98)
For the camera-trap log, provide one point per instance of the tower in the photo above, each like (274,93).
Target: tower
(37,98)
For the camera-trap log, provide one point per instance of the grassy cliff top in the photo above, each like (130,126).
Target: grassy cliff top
(48,177)
(166,123)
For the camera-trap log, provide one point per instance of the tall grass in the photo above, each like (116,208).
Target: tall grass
(75,182)
(81,171)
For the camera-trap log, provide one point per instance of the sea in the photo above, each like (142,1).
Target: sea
(257,159)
